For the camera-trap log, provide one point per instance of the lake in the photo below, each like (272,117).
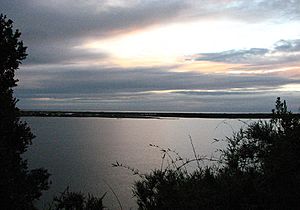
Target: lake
(79,152)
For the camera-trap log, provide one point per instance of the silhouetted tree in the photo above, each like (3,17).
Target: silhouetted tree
(19,186)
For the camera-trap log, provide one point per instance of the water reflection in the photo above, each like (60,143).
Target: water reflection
(78,152)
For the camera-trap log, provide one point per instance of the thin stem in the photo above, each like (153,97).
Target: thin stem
(194,151)
(111,189)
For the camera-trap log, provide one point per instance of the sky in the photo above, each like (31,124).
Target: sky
(154,55)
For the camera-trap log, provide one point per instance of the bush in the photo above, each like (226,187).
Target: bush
(76,201)
(260,169)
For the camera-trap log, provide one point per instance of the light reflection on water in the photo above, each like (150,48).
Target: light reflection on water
(78,152)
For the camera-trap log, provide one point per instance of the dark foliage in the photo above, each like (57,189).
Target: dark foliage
(260,170)
(19,186)
(76,201)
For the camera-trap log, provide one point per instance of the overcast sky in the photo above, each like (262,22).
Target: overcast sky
(154,55)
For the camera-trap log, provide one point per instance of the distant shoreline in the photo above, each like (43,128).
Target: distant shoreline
(146,115)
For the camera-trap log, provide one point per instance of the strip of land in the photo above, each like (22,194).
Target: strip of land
(146,115)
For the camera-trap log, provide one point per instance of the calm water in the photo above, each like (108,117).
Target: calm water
(78,152)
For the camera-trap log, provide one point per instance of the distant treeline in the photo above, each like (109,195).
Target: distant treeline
(147,114)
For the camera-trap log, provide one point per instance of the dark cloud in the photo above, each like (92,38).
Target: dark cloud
(61,54)
(73,20)
(51,32)
(133,89)
(233,56)
(222,93)
(262,102)
(82,80)
(284,54)
(288,45)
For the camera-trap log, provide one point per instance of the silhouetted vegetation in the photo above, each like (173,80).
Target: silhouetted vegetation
(19,186)
(76,201)
(259,169)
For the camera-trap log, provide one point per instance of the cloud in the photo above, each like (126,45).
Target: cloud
(233,56)
(47,21)
(56,73)
(157,89)
(262,102)
(247,11)
(53,28)
(68,19)
(284,56)
(61,54)
(100,79)
(287,45)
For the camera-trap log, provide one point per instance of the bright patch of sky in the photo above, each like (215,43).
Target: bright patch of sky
(183,39)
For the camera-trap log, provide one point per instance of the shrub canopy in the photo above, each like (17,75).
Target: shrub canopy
(260,169)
